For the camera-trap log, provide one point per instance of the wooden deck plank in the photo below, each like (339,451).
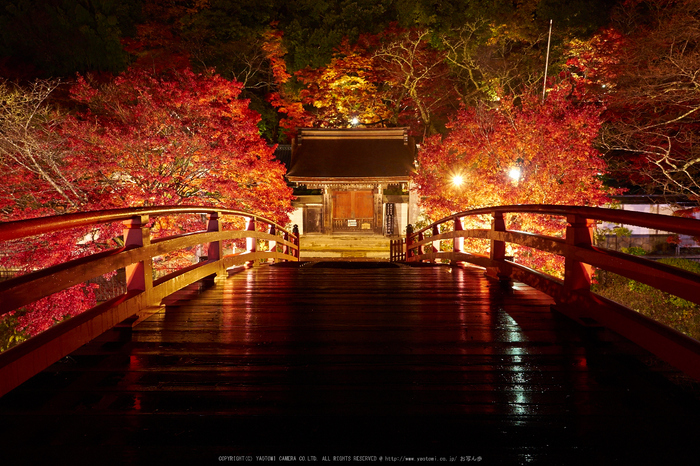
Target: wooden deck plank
(316,360)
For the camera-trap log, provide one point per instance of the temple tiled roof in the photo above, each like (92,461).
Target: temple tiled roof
(352,154)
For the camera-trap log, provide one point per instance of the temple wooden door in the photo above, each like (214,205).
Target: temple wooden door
(353,211)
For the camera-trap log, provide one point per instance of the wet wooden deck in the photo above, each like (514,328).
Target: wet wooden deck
(355,359)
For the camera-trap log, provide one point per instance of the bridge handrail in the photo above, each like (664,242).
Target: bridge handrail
(40,225)
(19,363)
(573,295)
(681,225)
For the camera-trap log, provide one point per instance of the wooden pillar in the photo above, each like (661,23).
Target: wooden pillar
(214,248)
(251,243)
(577,275)
(379,210)
(272,245)
(498,250)
(295,240)
(139,276)
(285,248)
(421,248)
(436,244)
(327,211)
(409,242)
(413,206)
(457,242)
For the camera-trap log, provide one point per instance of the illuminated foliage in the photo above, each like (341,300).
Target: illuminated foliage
(346,92)
(39,171)
(592,65)
(550,144)
(177,138)
(141,139)
(284,99)
(394,78)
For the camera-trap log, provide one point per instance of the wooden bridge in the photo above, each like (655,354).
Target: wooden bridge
(408,360)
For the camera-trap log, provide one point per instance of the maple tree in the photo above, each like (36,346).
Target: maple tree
(177,138)
(348,92)
(38,167)
(285,98)
(394,78)
(592,66)
(141,139)
(531,153)
(41,177)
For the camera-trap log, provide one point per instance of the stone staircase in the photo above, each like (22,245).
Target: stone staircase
(375,247)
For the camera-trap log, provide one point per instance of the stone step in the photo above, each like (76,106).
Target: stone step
(344,241)
(339,246)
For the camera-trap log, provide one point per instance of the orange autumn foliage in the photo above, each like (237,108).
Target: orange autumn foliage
(551,146)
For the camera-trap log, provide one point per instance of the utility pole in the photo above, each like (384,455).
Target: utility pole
(546,64)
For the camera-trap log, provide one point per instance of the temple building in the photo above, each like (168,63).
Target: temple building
(359,179)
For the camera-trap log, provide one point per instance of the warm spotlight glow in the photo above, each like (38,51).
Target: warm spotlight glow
(514,173)
(457,180)
(355,121)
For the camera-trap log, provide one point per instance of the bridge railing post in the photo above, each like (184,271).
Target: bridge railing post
(409,242)
(498,250)
(457,241)
(214,247)
(578,275)
(214,225)
(285,248)
(251,241)
(421,248)
(139,276)
(272,245)
(436,244)
(295,240)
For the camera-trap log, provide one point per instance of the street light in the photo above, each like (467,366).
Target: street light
(514,173)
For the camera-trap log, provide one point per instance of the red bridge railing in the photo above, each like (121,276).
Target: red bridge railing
(573,295)
(21,362)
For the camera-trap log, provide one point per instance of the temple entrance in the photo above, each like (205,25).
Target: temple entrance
(353,211)
(350,169)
